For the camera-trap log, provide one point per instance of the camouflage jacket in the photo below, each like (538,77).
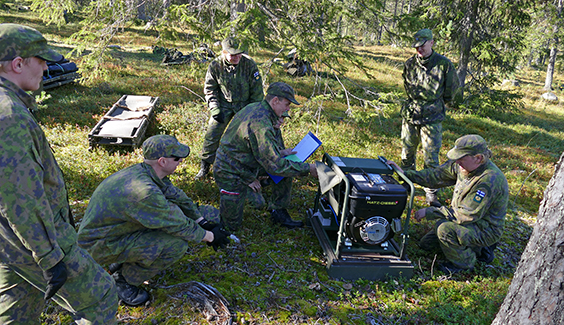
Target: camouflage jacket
(34,210)
(429,84)
(131,201)
(479,197)
(251,142)
(232,87)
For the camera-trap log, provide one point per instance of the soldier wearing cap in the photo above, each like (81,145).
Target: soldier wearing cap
(471,227)
(250,144)
(232,82)
(430,81)
(39,254)
(140,224)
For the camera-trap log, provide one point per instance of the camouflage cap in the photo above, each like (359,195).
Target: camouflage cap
(422,36)
(163,145)
(232,46)
(280,89)
(25,42)
(471,144)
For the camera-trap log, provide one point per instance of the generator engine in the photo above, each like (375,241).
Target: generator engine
(357,212)
(376,203)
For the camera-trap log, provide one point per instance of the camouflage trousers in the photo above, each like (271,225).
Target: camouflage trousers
(213,136)
(152,251)
(430,136)
(89,292)
(232,199)
(459,243)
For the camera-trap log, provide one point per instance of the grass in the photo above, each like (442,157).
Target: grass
(278,276)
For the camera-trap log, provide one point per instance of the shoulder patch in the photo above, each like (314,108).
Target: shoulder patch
(257,75)
(479,196)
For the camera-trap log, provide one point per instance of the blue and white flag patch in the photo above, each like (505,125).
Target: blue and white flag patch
(256,75)
(479,196)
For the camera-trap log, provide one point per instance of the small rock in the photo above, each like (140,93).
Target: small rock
(549,97)
(510,82)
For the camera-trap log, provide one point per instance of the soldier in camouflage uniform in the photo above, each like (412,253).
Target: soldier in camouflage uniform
(232,81)
(39,254)
(472,226)
(249,144)
(430,81)
(140,224)
(255,198)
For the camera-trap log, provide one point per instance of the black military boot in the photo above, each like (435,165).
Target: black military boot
(432,200)
(114,267)
(487,254)
(282,217)
(204,170)
(129,294)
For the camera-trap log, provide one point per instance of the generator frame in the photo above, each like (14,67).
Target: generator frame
(351,261)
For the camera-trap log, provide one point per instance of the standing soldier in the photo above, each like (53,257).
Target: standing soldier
(430,81)
(232,81)
(39,254)
(470,228)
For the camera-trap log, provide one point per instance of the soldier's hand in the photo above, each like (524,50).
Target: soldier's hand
(55,277)
(207,225)
(220,237)
(255,185)
(287,152)
(391,163)
(219,117)
(420,214)
(313,170)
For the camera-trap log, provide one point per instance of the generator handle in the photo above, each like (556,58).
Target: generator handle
(408,213)
(340,235)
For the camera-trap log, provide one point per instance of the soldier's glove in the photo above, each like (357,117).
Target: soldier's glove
(220,237)
(55,277)
(219,117)
(207,225)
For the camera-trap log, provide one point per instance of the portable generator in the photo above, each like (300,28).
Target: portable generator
(356,216)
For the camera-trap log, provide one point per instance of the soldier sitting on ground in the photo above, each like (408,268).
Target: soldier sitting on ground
(250,144)
(141,224)
(471,227)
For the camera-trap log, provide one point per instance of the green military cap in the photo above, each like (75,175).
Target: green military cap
(422,36)
(25,42)
(232,46)
(280,89)
(163,145)
(471,144)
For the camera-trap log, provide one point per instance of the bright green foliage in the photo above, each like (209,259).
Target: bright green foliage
(203,21)
(54,11)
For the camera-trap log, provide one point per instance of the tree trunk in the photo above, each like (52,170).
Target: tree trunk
(553,50)
(466,41)
(536,294)
(381,28)
(550,68)
(237,7)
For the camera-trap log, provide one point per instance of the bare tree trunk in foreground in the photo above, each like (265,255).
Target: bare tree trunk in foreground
(536,294)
